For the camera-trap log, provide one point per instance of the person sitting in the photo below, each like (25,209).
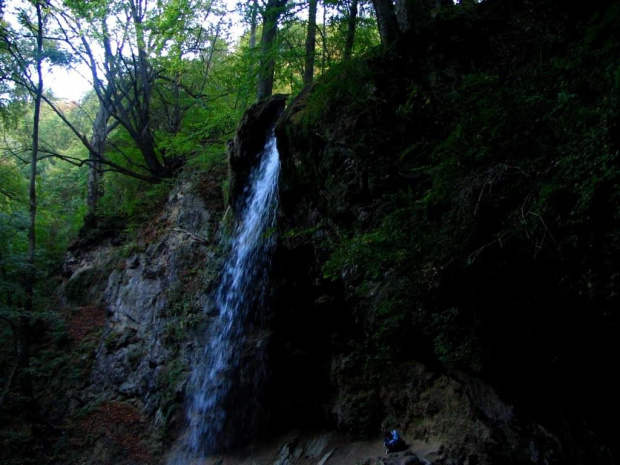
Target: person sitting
(393,442)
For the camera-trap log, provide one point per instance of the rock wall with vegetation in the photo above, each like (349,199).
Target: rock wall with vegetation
(453,199)
(131,302)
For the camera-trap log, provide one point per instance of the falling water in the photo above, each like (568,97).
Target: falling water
(241,288)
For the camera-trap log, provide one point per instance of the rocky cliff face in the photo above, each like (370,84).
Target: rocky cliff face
(252,133)
(434,304)
(155,290)
(148,305)
(353,359)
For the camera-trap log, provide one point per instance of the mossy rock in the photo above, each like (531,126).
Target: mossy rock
(86,286)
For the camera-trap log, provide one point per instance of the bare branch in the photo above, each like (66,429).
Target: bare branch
(198,239)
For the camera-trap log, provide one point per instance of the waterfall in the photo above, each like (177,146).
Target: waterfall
(241,288)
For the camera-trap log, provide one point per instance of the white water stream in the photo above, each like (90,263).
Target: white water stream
(241,288)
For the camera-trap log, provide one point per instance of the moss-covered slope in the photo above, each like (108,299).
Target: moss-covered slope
(459,193)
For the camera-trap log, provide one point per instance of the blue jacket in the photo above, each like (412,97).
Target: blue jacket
(394,440)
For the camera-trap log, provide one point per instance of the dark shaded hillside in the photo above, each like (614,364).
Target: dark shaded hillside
(457,197)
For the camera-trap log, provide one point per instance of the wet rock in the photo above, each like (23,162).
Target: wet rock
(251,136)
(153,300)
(290,453)
(317,446)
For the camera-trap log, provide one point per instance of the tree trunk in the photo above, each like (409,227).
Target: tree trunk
(324,41)
(386,19)
(351,25)
(310,43)
(412,15)
(142,95)
(95,174)
(127,102)
(271,15)
(253,24)
(24,328)
(252,50)
(404,15)
(32,186)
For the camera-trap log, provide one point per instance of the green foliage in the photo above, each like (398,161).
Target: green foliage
(58,218)
(290,56)
(366,33)
(289,50)
(512,169)
(12,185)
(392,330)
(76,288)
(347,85)
(132,198)
(455,343)
(186,299)
(378,250)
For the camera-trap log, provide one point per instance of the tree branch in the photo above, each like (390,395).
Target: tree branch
(198,239)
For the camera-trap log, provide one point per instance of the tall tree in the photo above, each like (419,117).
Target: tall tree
(26,47)
(128,76)
(351,26)
(37,93)
(253,23)
(121,80)
(413,14)
(272,10)
(386,19)
(310,43)
(94,190)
